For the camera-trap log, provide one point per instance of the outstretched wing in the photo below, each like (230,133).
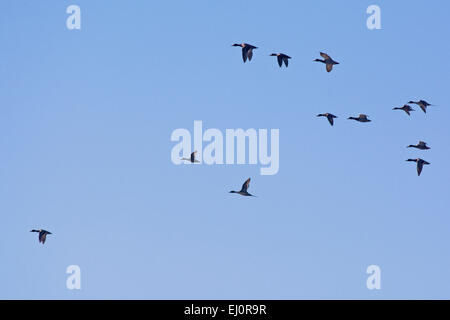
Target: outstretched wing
(286,61)
(419,167)
(193,156)
(330,119)
(329,67)
(250,54)
(325,56)
(246,185)
(42,236)
(244,54)
(280,61)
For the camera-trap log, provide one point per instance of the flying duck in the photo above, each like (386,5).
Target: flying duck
(247,50)
(244,188)
(405,108)
(329,116)
(361,118)
(422,104)
(281,57)
(327,61)
(420,163)
(42,234)
(192,158)
(421,146)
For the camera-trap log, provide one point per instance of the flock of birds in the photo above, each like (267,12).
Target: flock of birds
(247,54)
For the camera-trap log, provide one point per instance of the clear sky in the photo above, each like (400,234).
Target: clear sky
(85,123)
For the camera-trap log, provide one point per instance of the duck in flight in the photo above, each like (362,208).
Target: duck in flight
(327,61)
(192,158)
(281,57)
(244,188)
(361,118)
(247,50)
(42,235)
(422,104)
(405,108)
(420,163)
(329,116)
(421,146)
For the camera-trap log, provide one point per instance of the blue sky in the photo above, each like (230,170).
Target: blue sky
(85,123)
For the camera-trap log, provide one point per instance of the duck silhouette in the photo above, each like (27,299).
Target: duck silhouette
(329,116)
(281,57)
(247,50)
(42,235)
(420,164)
(421,146)
(405,108)
(192,158)
(244,188)
(361,118)
(329,63)
(422,104)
